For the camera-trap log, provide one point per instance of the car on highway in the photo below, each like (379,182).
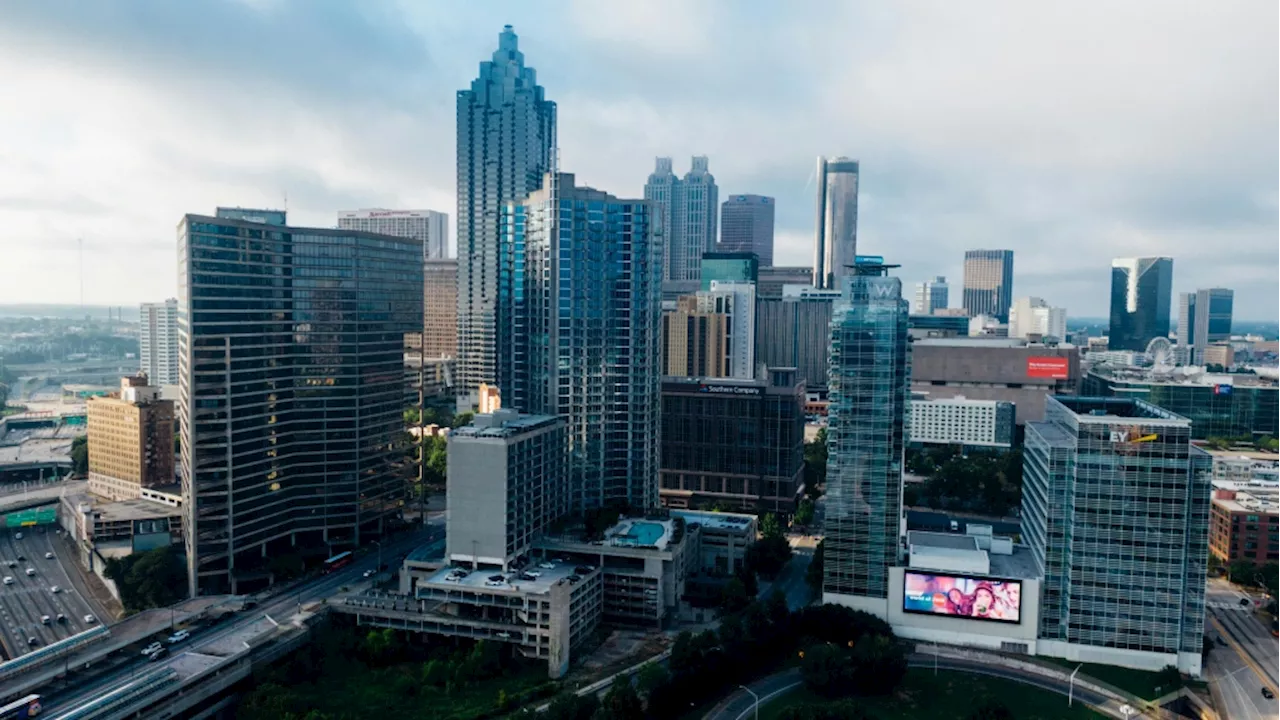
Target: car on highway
(48,556)
(12,563)
(22,558)
(32,642)
(158,654)
(62,618)
(17,536)
(89,619)
(31,571)
(153,647)
(179,636)
(1267,693)
(8,580)
(546,566)
(369,573)
(55,589)
(45,619)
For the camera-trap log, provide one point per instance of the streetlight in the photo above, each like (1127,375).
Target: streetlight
(1071,689)
(379,568)
(757,700)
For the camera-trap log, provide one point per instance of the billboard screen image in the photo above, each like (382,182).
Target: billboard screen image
(1054,368)
(962,596)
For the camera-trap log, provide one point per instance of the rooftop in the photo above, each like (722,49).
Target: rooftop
(1244,502)
(1189,376)
(1021,564)
(124,510)
(941,540)
(503,424)
(715,520)
(988,342)
(1106,409)
(510,582)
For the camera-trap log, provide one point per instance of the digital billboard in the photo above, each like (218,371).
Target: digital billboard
(975,598)
(1054,368)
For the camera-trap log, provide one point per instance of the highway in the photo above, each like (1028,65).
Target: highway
(279,607)
(28,599)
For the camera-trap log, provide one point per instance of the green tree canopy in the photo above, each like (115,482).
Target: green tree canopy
(149,579)
(80,455)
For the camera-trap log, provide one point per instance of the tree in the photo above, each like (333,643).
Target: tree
(651,677)
(412,416)
(877,664)
(825,670)
(734,596)
(150,579)
(621,703)
(768,556)
(462,419)
(569,706)
(1170,679)
(769,526)
(437,467)
(80,455)
(813,576)
(1268,576)
(815,464)
(991,709)
(804,513)
(1242,572)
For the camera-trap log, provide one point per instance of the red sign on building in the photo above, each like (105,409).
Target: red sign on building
(1054,368)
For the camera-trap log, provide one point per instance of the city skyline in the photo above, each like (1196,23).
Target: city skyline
(1083,180)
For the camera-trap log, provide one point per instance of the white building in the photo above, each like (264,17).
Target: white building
(1033,316)
(960,421)
(738,301)
(429,226)
(987,326)
(158,341)
(930,296)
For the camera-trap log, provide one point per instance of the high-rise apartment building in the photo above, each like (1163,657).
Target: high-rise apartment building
(1115,497)
(506,139)
(291,389)
(1033,316)
(440,308)
(1141,291)
(930,296)
(746,225)
(712,333)
(158,341)
(836,241)
(988,283)
(795,331)
(130,440)
(1204,318)
(866,436)
(428,226)
(506,486)
(685,215)
(582,316)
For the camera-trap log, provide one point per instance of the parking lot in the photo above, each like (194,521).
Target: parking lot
(24,602)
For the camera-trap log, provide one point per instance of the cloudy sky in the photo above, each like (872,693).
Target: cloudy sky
(1071,133)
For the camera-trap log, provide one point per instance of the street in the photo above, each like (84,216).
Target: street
(791,581)
(1238,670)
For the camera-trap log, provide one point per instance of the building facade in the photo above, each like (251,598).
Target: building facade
(836,242)
(694,343)
(440,308)
(506,139)
(772,280)
(583,322)
(866,437)
(734,443)
(684,213)
(930,296)
(1218,404)
(291,390)
(506,486)
(938,326)
(1032,316)
(736,267)
(1244,526)
(988,283)
(428,226)
(795,331)
(130,440)
(1141,291)
(1008,370)
(1115,497)
(746,225)
(1204,318)
(960,421)
(158,341)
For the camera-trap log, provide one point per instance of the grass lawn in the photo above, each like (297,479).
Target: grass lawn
(1142,683)
(950,695)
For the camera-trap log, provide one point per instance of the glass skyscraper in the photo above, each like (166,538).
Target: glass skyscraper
(1141,292)
(1115,508)
(733,267)
(836,243)
(866,432)
(506,137)
(580,310)
(1204,317)
(291,389)
(988,283)
(685,213)
(746,225)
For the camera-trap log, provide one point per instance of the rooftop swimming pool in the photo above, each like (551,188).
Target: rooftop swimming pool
(641,533)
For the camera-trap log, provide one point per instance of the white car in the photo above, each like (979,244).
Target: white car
(17,536)
(89,619)
(533,573)
(48,556)
(179,636)
(547,566)
(8,580)
(493,583)
(31,571)
(154,647)
(55,589)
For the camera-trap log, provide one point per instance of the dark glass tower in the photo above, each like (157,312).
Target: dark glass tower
(291,389)
(869,391)
(1141,292)
(988,283)
(506,137)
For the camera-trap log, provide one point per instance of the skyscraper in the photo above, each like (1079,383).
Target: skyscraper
(582,316)
(291,389)
(1033,316)
(1204,317)
(795,331)
(506,137)
(685,215)
(440,308)
(836,242)
(988,283)
(429,226)
(158,341)
(1141,292)
(1116,498)
(929,296)
(866,434)
(746,225)
(712,333)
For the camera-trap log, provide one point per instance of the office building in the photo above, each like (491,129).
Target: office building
(158,341)
(746,225)
(1219,356)
(684,212)
(1115,497)
(1141,290)
(1204,318)
(585,337)
(263,216)
(711,334)
(961,421)
(428,226)
(733,443)
(1244,526)
(1245,468)
(866,436)
(988,283)
(291,390)
(795,331)
(930,296)
(1217,404)
(506,486)
(988,326)
(836,242)
(506,137)
(938,326)
(772,280)
(1032,317)
(735,267)
(725,538)
(1002,369)
(130,440)
(440,308)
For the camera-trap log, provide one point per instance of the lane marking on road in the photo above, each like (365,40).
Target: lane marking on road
(1244,655)
(770,696)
